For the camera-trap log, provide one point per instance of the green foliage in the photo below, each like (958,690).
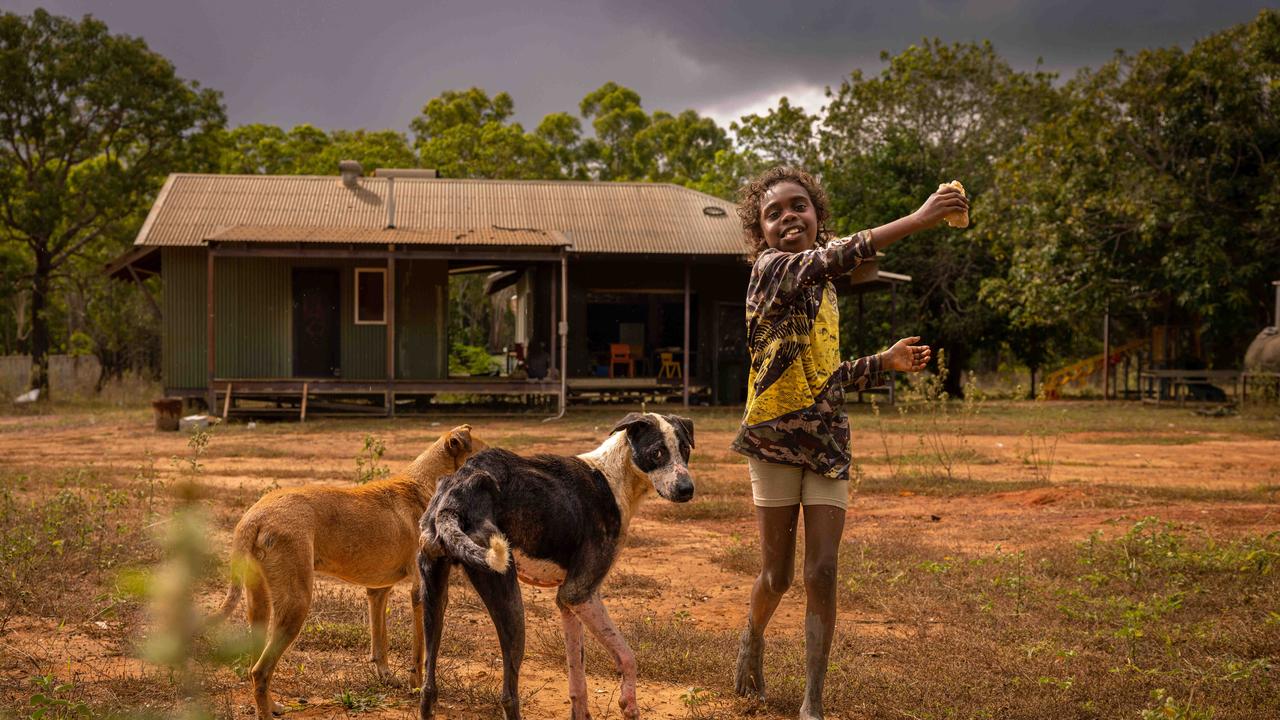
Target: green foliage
(936,113)
(50,702)
(469,360)
(466,134)
(307,150)
(90,124)
(369,461)
(358,702)
(1155,192)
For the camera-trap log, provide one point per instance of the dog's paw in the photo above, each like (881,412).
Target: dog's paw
(388,678)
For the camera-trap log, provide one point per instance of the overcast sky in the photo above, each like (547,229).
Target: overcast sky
(374,63)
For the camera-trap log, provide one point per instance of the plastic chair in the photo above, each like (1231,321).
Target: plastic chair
(620,354)
(670,369)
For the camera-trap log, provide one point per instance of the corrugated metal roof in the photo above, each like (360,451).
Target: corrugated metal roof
(595,217)
(400,236)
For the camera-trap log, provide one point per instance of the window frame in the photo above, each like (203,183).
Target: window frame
(382,320)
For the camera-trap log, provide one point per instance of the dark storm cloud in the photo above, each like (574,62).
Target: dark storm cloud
(375,63)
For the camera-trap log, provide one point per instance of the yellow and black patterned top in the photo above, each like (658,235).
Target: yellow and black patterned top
(797,382)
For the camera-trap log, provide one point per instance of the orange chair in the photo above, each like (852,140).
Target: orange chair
(620,354)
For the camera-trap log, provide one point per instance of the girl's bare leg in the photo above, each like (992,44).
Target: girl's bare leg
(777,526)
(823,526)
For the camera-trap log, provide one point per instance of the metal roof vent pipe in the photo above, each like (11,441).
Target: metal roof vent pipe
(351,172)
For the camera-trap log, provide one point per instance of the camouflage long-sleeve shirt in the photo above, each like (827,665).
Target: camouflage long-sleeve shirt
(797,382)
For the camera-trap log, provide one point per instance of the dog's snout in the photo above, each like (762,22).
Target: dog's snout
(683,490)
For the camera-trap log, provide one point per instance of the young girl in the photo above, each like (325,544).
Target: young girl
(794,433)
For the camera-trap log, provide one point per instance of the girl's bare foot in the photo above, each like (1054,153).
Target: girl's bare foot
(749,679)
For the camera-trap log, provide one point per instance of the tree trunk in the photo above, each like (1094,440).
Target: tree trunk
(957,363)
(40,324)
(1033,383)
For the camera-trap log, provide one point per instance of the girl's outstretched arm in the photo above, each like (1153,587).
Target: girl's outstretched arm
(873,370)
(939,205)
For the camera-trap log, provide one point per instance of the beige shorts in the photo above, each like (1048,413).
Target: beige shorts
(775,485)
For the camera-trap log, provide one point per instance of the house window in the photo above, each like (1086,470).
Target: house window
(371,296)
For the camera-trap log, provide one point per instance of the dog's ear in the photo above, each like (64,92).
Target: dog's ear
(459,441)
(683,426)
(631,420)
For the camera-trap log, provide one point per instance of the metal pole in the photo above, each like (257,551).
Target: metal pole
(687,270)
(563,328)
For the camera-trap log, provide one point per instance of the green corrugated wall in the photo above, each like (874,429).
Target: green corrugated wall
(182,306)
(254,319)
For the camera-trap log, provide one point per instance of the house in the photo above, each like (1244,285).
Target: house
(296,288)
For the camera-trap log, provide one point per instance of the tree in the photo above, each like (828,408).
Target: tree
(936,113)
(466,134)
(783,136)
(1157,192)
(562,134)
(679,149)
(308,150)
(616,117)
(90,123)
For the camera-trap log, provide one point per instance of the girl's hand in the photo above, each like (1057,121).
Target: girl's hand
(942,203)
(906,355)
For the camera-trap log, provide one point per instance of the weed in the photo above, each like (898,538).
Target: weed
(358,702)
(369,461)
(1169,709)
(51,702)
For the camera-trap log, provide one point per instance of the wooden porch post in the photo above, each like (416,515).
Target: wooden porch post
(390,309)
(551,310)
(687,266)
(209,358)
(563,328)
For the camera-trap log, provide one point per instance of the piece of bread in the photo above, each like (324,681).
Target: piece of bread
(956,219)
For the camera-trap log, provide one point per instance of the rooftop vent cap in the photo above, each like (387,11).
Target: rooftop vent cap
(351,172)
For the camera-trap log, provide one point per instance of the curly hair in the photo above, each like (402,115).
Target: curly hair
(750,195)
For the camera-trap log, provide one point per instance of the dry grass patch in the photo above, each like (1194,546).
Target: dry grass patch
(1094,629)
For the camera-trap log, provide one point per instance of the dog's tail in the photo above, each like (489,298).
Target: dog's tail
(242,570)
(458,544)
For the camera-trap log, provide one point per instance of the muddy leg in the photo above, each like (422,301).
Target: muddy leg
(575,653)
(777,526)
(378,633)
(434,596)
(593,614)
(823,526)
(501,596)
(415,601)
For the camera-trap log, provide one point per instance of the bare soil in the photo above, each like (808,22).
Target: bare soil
(1018,479)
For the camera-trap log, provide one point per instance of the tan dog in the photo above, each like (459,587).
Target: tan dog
(367,535)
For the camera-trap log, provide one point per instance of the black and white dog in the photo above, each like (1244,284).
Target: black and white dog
(564,519)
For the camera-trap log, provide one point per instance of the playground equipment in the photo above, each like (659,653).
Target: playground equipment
(1077,373)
